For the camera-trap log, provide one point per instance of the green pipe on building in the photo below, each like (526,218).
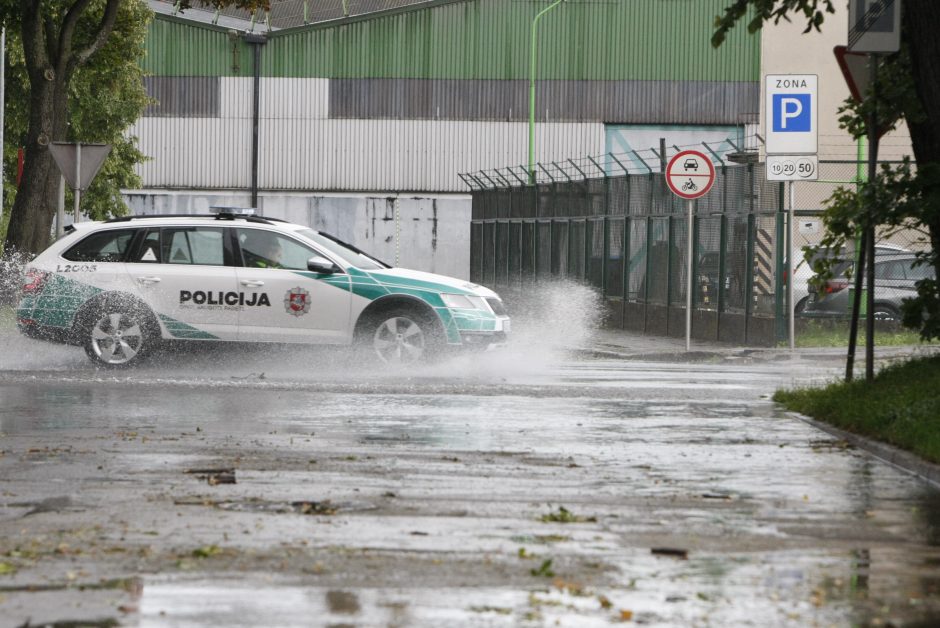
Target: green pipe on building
(535,22)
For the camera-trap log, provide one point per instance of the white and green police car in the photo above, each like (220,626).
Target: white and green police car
(120,287)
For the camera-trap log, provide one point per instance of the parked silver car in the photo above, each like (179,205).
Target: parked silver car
(803,270)
(896,278)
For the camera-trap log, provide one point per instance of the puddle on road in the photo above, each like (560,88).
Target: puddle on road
(795,588)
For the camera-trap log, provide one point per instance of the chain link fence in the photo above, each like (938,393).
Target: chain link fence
(612,223)
(626,235)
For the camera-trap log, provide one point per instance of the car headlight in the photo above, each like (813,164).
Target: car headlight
(462,302)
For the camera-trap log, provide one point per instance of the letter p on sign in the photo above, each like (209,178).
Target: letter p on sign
(792,113)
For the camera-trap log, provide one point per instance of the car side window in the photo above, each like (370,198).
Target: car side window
(924,271)
(149,251)
(265,249)
(890,270)
(103,246)
(193,245)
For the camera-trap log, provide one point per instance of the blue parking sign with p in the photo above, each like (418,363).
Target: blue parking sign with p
(792,113)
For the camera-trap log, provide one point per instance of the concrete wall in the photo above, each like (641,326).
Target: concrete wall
(423,232)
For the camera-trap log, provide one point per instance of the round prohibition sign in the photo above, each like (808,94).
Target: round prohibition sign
(690,174)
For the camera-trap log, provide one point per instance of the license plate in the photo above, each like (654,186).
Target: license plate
(507,326)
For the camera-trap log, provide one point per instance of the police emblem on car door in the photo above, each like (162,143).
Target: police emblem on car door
(297,301)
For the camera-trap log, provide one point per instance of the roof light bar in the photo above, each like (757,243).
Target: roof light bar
(220,210)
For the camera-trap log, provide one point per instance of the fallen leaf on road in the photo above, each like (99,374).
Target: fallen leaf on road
(670,551)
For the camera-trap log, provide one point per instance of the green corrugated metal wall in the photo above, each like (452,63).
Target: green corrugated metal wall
(175,48)
(480,39)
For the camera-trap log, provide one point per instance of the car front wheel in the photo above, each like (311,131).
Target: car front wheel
(118,337)
(403,337)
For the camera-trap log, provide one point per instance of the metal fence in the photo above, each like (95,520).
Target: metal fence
(626,236)
(611,222)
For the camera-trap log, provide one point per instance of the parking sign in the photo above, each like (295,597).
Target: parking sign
(791,110)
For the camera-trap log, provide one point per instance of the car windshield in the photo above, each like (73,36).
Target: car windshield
(347,252)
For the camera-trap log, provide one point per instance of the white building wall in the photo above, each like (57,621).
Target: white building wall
(301,148)
(429,232)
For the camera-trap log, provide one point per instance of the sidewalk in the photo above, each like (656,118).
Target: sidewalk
(626,344)
(634,346)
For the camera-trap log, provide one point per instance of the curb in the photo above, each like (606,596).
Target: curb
(898,458)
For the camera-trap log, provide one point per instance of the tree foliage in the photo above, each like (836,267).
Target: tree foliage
(74,76)
(761,11)
(905,196)
(105,97)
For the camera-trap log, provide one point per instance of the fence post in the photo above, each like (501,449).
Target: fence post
(625,265)
(605,254)
(723,240)
(722,264)
(749,277)
(670,232)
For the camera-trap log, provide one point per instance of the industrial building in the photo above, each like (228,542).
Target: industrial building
(360,124)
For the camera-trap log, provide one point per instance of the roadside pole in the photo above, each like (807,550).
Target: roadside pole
(874,29)
(873,138)
(791,129)
(688,275)
(791,307)
(78,177)
(60,209)
(690,175)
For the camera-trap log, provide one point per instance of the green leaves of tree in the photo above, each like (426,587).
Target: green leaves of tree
(765,10)
(106,96)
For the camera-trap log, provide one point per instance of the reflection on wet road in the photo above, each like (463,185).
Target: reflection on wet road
(295,488)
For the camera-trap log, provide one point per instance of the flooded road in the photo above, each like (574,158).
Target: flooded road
(622,482)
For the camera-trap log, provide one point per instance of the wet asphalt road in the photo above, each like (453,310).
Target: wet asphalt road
(528,487)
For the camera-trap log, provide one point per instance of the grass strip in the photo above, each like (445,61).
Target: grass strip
(836,334)
(900,407)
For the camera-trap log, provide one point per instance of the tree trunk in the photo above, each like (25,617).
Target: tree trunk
(921,25)
(50,63)
(32,214)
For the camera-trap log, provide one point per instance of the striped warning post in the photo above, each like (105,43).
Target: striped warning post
(763,263)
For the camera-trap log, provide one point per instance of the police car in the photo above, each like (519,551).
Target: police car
(120,287)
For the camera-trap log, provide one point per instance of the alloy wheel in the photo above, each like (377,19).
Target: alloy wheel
(116,338)
(399,340)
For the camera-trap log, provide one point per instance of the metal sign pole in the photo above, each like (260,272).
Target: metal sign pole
(689,282)
(690,175)
(60,209)
(791,307)
(78,177)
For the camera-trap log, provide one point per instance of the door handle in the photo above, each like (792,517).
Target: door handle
(148,280)
(252,283)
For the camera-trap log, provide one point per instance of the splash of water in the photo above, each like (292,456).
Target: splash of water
(548,320)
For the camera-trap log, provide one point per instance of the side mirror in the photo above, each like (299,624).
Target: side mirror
(321,265)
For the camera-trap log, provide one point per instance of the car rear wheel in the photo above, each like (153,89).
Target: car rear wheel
(801,305)
(119,336)
(403,337)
